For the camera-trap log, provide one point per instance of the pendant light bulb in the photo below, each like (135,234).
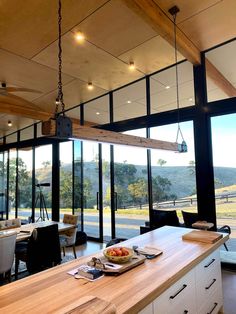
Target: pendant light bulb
(9,123)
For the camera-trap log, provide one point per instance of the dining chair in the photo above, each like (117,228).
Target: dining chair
(42,250)
(68,237)
(7,249)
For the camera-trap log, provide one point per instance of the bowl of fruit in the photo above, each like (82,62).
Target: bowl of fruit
(118,254)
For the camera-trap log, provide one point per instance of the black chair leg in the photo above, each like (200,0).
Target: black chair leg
(16,267)
(226,247)
(74,251)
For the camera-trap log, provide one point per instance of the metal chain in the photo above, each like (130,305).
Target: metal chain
(60,93)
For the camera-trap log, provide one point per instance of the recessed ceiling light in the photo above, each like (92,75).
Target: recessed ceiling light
(167,87)
(90,85)
(9,123)
(79,36)
(190,99)
(131,65)
(98,113)
(129,101)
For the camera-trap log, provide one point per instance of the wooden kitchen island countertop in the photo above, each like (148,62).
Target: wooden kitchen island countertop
(52,290)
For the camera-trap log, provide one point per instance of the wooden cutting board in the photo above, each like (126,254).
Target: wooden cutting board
(202,236)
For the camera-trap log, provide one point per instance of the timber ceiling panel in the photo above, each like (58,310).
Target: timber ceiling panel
(74,93)
(115,29)
(21,72)
(27,27)
(187,8)
(88,63)
(151,56)
(213,26)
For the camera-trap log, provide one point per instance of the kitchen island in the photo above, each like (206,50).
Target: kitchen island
(186,278)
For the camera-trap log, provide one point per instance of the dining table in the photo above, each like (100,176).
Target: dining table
(25,231)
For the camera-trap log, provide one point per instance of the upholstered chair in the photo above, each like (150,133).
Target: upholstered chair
(42,251)
(68,237)
(7,249)
(10,223)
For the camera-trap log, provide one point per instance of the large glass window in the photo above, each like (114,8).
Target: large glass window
(43,178)
(12,184)
(3,184)
(91,189)
(224,159)
(130,101)
(131,190)
(163,88)
(223,60)
(78,181)
(173,174)
(24,183)
(66,183)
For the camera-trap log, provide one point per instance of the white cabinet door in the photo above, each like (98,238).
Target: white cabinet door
(179,298)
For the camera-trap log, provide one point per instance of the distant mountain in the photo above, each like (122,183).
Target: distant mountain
(182,180)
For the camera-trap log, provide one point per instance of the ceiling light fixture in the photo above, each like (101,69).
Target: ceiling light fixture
(167,87)
(90,85)
(131,65)
(97,113)
(183,146)
(9,123)
(129,101)
(79,36)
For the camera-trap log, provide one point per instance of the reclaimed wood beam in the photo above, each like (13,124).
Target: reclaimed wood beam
(80,132)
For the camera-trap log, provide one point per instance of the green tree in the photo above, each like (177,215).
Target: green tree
(161,162)
(160,188)
(138,191)
(65,189)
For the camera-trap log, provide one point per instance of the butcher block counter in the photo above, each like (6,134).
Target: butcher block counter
(186,277)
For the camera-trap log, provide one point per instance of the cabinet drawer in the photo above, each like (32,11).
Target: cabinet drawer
(179,298)
(207,265)
(213,304)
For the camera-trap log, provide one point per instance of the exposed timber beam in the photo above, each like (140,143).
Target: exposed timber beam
(17,106)
(149,11)
(219,79)
(80,132)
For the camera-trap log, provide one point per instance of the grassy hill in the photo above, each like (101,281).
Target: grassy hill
(182,180)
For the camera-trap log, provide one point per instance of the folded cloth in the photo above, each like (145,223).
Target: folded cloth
(146,250)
